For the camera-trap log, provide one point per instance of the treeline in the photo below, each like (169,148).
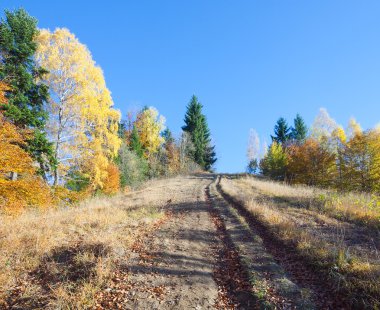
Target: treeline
(150,150)
(61,138)
(326,155)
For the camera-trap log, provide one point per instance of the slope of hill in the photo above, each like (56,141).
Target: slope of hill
(202,241)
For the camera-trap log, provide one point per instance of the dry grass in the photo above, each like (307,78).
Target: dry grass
(60,258)
(346,252)
(360,208)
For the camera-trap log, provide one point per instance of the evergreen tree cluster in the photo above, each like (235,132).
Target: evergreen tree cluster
(275,160)
(283,133)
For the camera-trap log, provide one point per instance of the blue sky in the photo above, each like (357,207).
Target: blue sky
(249,62)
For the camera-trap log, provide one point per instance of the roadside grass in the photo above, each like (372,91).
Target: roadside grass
(357,277)
(60,258)
(359,208)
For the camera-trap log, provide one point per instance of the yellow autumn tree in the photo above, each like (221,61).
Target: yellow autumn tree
(362,162)
(28,189)
(373,140)
(311,163)
(338,141)
(274,164)
(83,124)
(112,184)
(173,159)
(354,128)
(149,125)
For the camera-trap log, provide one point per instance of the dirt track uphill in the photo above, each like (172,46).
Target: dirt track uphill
(207,253)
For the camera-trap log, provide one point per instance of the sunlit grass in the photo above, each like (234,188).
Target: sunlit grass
(41,246)
(361,208)
(357,276)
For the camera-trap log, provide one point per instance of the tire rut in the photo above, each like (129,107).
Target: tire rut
(299,270)
(232,278)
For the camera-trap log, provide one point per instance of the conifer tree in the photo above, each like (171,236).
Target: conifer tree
(168,136)
(135,143)
(281,131)
(196,125)
(210,157)
(18,69)
(299,130)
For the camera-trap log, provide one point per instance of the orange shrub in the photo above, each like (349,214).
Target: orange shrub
(3,88)
(112,183)
(27,189)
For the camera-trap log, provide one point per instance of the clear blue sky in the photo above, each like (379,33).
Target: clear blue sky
(249,62)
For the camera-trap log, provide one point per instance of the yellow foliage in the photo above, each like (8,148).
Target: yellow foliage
(28,190)
(354,128)
(66,197)
(339,134)
(149,125)
(112,184)
(274,162)
(3,88)
(362,161)
(83,123)
(311,163)
(173,154)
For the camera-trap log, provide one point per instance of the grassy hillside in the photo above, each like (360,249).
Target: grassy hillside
(337,234)
(62,258)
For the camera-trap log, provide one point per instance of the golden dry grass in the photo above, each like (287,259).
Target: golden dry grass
(61,257)
(360,208)
(344,251)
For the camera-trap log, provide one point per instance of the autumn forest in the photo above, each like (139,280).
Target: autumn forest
(62,140)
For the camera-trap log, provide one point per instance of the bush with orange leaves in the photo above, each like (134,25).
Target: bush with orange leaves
(3,88)
(112,183)
(28,189)
(311,163)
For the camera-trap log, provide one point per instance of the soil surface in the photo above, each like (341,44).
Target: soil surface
(174,269)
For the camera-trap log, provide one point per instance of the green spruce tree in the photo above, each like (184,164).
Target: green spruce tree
(299,130)
(168,136)
(196,125)
(27,96)
(281,131)
(135,143)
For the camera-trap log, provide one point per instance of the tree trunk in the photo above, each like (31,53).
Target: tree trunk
(13,176)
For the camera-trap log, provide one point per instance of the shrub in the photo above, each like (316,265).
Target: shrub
(20,186)
(133,169)
(112,183)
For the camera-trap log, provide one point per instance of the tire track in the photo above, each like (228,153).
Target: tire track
(232,278)
(299,270)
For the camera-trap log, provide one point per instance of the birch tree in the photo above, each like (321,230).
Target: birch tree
(323,125)
(253,151)
(149,125)
(82,124)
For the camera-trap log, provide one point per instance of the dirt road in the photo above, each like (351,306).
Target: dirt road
(203,255)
